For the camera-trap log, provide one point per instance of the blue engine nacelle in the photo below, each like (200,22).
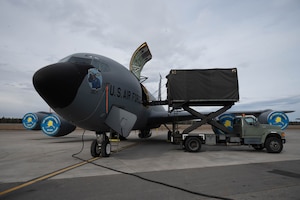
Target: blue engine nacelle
(32,121)
(51,124)
(55,126)
(276,118)
(271,117)
(226,120)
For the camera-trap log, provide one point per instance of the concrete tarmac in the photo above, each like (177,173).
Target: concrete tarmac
(35,166)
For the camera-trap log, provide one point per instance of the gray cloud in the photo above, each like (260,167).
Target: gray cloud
(260,38)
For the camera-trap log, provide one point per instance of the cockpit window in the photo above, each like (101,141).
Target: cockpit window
(90,60)
(80,60)
(64,59)
(100,65)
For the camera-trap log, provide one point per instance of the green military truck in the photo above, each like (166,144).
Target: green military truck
(190,89)
(246,131)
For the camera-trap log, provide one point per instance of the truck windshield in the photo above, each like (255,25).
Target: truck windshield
(250,120)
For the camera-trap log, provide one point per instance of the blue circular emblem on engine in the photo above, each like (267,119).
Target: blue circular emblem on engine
(29,121)
(278,119)
(50,125)
(227,121)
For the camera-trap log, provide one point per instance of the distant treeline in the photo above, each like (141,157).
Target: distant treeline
(18,120)
(193,122)
(294,123)
(10,120)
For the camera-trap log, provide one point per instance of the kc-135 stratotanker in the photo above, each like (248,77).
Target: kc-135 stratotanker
(98,94)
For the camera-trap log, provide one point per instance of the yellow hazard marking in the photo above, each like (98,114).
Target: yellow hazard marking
(114,140)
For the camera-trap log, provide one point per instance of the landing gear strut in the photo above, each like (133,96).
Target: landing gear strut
(101,145)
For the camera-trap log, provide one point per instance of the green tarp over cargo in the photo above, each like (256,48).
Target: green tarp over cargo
(203,86)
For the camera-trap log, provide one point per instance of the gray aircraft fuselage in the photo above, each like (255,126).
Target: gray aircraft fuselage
(83,87)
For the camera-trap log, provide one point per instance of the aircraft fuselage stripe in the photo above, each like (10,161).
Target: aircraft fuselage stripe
(106,99)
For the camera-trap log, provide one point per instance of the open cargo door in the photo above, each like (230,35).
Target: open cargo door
(139,58)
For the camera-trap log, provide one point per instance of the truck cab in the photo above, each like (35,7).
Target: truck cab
(260,136)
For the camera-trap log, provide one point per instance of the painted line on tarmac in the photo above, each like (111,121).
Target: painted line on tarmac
(47,176)
(58,172)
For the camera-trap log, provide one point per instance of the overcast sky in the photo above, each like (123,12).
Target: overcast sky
(260,38)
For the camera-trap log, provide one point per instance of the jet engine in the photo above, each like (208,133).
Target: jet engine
(226,120)
(32,121)
(51,124)
(276,118)
(55,126)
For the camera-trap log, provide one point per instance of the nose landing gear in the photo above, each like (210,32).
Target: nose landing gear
(101,146)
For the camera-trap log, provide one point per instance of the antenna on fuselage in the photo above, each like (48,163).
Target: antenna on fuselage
(159,88)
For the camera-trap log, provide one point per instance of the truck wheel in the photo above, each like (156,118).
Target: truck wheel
(192,144)
(273,145)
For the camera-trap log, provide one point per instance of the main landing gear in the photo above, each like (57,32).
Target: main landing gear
(145,134)
(101,145)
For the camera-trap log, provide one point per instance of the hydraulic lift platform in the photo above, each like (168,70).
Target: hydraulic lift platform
(198,88)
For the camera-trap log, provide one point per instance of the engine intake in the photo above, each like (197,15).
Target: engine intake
(276,118)
(32,121)
(55,126)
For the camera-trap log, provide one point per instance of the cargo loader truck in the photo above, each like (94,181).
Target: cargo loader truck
(246,131)
(187,89)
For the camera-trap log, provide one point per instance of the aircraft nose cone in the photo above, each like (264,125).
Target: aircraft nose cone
(57,84)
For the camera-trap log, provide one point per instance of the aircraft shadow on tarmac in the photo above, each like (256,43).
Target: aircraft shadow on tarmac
(64,140)
(156,143)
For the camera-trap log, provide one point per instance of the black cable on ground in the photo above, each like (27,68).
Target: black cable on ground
(142,178)
(82,146)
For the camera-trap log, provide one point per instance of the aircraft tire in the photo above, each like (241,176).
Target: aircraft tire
(105,148)
(273,145)
(95,150)
(192,144)
(144,134)
(169,136)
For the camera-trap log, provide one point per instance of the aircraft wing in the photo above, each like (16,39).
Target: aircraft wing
(264,116)
(166,117)
(257,113)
